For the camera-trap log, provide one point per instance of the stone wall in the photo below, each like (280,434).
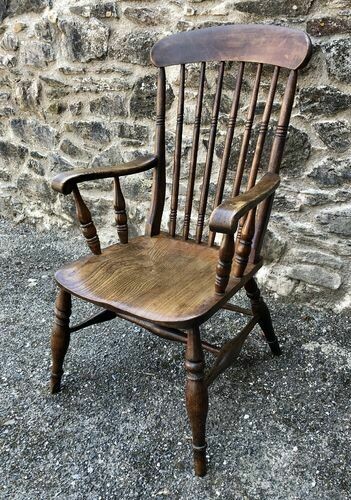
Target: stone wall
(77,89)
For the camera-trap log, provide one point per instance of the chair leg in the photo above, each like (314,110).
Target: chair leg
(196,398)
(60,338)
(260,309)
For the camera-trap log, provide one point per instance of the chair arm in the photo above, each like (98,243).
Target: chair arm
(225,218)
(65,182)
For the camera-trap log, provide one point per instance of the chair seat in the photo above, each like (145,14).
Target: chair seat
(164,280)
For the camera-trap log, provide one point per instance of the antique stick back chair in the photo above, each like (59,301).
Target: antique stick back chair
(171,283)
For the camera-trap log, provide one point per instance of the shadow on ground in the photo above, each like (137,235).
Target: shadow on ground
(278,428)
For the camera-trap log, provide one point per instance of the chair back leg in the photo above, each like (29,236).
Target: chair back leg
(260,309)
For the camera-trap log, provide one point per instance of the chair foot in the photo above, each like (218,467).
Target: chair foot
(196,399)
(260,309)
(60,338)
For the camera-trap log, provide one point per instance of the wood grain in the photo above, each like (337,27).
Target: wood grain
(274,45)
(161,279)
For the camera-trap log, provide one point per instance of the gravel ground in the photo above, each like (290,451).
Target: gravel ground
(278,428)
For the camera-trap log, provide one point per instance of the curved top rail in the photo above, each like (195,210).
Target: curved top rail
(267,44)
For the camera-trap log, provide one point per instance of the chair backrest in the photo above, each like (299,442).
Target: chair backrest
(258,45)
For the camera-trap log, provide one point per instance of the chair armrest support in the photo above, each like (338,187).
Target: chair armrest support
(225,218)
(66,181)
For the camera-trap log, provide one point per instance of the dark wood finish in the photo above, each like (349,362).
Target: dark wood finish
(120,213)
(167,283)
(194,152)
(177,153)
(228,144)
(159,180)
(100,317)
(209,156)
(261,311)
(225,218)
(60,338)
(224,264)
(264,44)
(196,396)
(66,181)
(229,352)
(163,280)
(86,223)
(247,133)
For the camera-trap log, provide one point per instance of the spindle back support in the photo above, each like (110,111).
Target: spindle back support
(258,51)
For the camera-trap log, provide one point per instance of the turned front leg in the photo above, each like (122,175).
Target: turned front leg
(196,398)
(60,338)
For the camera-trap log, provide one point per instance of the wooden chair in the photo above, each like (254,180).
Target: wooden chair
(170,284)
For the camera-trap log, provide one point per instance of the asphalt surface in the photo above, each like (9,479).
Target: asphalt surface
(278,428)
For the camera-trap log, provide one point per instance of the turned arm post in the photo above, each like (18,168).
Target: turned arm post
(244,242)
(120,212)
(86,224)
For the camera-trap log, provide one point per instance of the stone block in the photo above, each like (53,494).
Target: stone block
(323,100)
(324,26)
(97,9)
(12,155)
(267,8)
(18,7)
(91,131)
(332,172)
(315,275)
(28,94)
(35,133)
(336,220)
(145,16)
(10,42)
(336,135)
(143,99)
(134,47)
(70,149)
(85,40)
(109,106)
(37,54)
(338,56)
(111,156)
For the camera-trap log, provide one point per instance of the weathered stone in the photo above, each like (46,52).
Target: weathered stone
(336,135)
(273,246)
(3,7)
(324,26)
(36,166)
(91,131)
(76,108)
(332,172)
(7,111)
(337,221)
(132,132)
(109,106)
(100,10)
(18,7)
(28,94)
(8,61)
(85,40)
(19,26)
(55,89)
(37,54)
(143,100)
(316,257)
(34,133)
(74,151)
(45,30)
(31,187)
(146,16)
(11,154)
(58,164)
(10,42)
(315,275)
(268,8)
(56,108)
(134,47)
(323,100)
(111,156)
(338,56)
